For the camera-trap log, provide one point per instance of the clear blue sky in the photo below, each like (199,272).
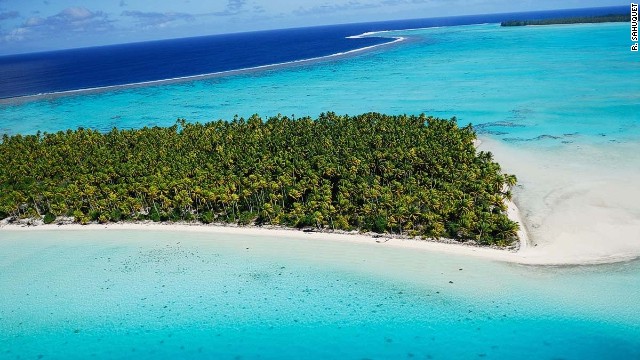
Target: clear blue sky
(35,25)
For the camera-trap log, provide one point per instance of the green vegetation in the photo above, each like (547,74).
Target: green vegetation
(412,175)
(571,20)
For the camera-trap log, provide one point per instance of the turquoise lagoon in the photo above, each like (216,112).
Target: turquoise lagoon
(558,106)
(146,294)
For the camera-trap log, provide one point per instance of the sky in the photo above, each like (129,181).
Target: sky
(39,25)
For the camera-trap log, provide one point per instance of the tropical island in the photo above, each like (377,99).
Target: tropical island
(571,20)
(417,176)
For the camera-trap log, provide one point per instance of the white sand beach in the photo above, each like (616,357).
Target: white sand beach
(293,234)
(543,255)
(579,204)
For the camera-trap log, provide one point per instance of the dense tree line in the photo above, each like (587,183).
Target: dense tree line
(413,175)
(570,20)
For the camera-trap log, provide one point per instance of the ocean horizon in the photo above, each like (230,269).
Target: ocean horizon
(96,68)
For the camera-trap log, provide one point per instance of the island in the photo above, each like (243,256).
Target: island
(570,20)
(416,176)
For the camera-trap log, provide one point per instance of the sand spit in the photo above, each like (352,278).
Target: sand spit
(581,203)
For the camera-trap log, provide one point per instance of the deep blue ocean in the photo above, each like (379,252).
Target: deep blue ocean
(85,68)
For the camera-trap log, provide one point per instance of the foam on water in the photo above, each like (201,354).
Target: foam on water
(181,79)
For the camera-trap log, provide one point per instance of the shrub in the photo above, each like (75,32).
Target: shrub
(49,218)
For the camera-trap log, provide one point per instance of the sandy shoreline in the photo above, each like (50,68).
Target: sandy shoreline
(279,232)
(579,203)
(526,255)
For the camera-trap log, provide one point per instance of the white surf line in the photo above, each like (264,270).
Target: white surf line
(397,39)
(11,100)
(373,33)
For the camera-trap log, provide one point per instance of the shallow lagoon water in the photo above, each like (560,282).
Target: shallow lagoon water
(557,105)
(117,294)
